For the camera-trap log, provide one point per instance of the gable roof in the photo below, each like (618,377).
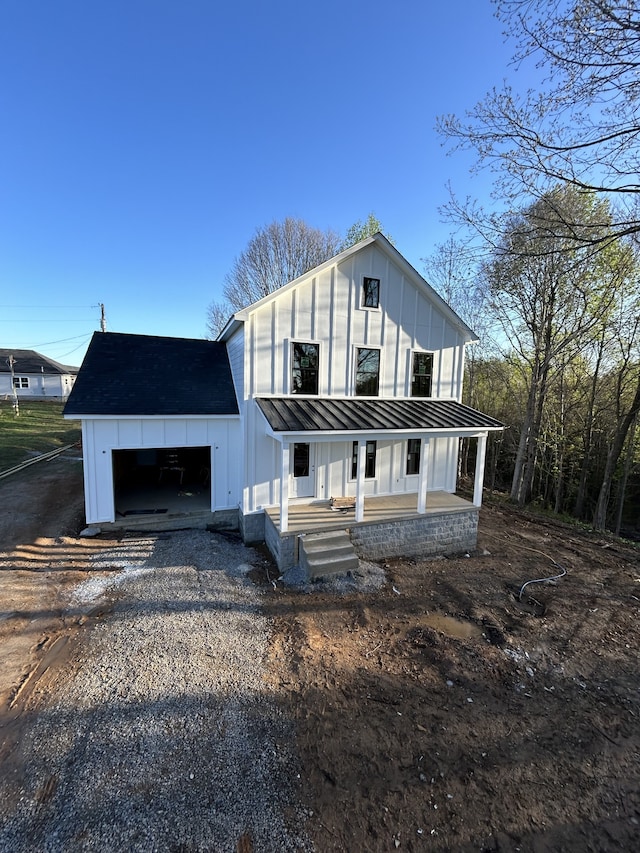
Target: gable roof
(325,414)
(392,253)
(30,361)
(143,375)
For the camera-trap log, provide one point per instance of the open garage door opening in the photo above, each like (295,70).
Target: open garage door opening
(162,481)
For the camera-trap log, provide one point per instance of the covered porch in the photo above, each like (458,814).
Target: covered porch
(318,516)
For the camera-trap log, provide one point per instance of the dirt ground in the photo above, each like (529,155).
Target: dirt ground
(441,713)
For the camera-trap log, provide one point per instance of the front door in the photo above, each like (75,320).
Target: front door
(303,472)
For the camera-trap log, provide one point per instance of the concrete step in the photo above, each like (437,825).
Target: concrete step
(327,554)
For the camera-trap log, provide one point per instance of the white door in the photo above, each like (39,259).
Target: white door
(303,471)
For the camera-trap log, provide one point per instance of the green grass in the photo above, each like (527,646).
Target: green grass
(39,428)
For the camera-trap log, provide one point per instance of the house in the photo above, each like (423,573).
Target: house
(34,376)
(346,414)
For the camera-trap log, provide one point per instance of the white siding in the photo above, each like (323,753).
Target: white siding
(324,308)
(101,437)
(235,351)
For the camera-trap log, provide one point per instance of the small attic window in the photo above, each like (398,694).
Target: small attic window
(370,293)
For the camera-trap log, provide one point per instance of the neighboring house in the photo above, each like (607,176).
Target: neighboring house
(35,376)
(348,382)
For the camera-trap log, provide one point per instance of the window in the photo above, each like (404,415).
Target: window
(421,374)
(367,372)
(20,381)
(300,460)
(370,293)
(413,456)
(370,461)
(304,368)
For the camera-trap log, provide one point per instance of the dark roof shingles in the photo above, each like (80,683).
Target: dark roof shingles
(143,375)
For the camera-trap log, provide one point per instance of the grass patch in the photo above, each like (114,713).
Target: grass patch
(39,428)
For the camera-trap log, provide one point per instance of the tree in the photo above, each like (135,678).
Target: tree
(579,127)
(550,299)
(275,255)
(361,230)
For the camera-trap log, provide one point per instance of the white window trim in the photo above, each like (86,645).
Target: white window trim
(354,371)
(19,382)
(413,352)
(289,342)
(361,294)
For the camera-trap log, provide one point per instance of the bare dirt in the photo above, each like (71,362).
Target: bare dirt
(442,712)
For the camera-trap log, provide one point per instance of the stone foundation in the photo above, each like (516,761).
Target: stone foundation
(252,527)
(418,536)
(446,532)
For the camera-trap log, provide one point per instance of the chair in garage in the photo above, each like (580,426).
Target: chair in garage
(171,463)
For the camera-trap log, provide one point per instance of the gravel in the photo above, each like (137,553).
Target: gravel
(162,736)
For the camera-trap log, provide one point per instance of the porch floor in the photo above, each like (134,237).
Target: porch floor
(318,516)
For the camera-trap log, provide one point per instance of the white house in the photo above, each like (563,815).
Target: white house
(34,376)
(348,383)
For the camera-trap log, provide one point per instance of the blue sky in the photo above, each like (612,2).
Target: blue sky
(143,141)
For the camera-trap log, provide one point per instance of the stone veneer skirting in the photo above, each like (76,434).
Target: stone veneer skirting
(447,532)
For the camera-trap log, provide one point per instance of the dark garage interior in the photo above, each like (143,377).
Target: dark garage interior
(154,481)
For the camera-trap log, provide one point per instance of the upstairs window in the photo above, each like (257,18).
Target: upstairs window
(367,372)
(421,374)
(370,293)
(20,381)
(413,456)
(370,461)
(305,359)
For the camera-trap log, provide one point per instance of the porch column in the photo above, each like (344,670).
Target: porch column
(422,478)
(481,453)
(362,462)
(284,487)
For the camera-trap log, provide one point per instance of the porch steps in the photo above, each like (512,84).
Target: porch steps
(327,554)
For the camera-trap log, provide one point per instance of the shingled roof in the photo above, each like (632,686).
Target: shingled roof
(323,414)
(28,361)
(143,375)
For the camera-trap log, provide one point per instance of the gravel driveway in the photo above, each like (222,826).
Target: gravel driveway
(162,736)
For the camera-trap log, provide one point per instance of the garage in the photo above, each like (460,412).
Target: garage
(160,430)
(158,481)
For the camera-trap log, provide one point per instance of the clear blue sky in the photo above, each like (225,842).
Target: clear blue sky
(143,141)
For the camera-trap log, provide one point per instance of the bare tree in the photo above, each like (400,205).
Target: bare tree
(275,255)
(580,126)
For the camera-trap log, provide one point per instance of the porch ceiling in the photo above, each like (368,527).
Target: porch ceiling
(330,414)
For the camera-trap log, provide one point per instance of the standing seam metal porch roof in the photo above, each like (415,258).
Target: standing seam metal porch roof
(323,414)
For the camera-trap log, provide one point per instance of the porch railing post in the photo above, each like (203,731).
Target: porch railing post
(423,476)
(284,487)
(362,463)
(479,477)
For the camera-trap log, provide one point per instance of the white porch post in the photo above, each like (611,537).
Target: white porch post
(479,477)
(284,487)
(362,462)
(423,476)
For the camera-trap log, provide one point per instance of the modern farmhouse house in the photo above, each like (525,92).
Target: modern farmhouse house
(346,416)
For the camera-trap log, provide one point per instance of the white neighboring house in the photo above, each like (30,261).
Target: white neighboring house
(35,376)
(344,384)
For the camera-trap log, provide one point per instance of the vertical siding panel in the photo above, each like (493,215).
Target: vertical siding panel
(330,355)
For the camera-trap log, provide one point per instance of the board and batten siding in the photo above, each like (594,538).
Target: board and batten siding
(102,436)
(235,352)
(324,308)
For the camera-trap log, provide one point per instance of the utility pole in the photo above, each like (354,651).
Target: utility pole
(103,319)
(16,402)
